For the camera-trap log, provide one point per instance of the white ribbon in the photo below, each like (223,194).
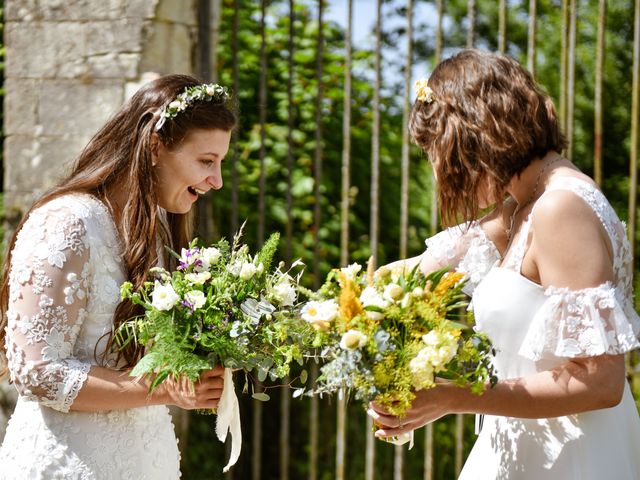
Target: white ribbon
(396,439)
(229,419)
(401,439)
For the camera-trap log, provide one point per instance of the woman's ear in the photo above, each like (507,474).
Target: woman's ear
(155,147)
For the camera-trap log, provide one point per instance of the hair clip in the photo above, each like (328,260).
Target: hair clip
(424,93)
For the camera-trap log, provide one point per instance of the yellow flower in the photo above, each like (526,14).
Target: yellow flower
(350,305)
(448,281)
(424,93)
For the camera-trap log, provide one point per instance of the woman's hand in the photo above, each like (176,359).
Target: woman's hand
(428,406)
(204,393)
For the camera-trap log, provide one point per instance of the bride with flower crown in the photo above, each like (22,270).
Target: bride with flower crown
(550,273)
(79,414)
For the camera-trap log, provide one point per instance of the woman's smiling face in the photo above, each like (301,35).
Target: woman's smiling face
(190,169)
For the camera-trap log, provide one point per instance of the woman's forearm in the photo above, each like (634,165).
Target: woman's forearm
(107,389)
(575,387)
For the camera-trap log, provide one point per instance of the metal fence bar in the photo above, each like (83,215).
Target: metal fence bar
(471,18)
(597,134)
(531,39)
(502,28)
(571,74)
(314,411)
(404,162)
(633,160)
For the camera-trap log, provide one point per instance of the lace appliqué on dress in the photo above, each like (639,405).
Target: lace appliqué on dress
(47,299)
(467,249)
(591,321)
(582,323)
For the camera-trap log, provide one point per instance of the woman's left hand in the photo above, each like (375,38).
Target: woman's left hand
(428,406)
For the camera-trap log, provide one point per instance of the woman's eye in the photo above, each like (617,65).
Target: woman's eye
(207,162)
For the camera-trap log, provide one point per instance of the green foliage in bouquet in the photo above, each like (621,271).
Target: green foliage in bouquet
(387,334)
(220,306)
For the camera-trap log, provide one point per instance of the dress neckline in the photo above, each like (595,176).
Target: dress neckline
(520,275)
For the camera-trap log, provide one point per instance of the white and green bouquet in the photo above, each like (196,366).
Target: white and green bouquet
(221,305)
(385,335)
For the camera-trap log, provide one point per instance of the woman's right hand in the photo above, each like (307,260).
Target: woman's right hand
(202,394)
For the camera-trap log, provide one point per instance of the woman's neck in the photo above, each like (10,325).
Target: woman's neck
(530,183)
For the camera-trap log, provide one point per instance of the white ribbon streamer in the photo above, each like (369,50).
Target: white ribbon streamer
(229,419)
(401,439)
(396,439)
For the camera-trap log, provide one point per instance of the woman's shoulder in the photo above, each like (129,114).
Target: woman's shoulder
(573,198)
(83,205)
(77,212)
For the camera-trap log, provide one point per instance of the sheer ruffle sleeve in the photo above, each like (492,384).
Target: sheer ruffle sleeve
(582,323)
(48,284)
(466,248)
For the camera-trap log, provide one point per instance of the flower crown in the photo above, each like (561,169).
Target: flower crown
(205,92)
(424,93)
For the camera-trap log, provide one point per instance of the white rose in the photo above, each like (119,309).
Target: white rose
(393,292)
(370,297)
(285,294)
(175,104)
(247,271)
(320,314)
(422,370)
(351,271)
(352,340)
(209,256)
(406,301)
(235,268)
(164,297)
(440,348)
(196,298)
(211,91)
(197,278)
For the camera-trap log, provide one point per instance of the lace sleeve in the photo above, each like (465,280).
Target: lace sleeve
(465,248)
(47,300)
(582,323)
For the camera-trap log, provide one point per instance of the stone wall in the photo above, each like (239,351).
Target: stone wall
(70,65)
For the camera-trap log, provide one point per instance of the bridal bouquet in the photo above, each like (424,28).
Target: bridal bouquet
(387,334)
(221,305)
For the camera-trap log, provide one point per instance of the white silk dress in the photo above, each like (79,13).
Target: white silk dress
(535,329)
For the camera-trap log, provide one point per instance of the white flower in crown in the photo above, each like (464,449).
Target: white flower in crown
(424,93)
(206,92)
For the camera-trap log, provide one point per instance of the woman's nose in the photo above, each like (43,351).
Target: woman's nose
(215,180)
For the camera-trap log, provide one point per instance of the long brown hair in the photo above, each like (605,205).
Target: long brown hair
(119,154)
(488,120)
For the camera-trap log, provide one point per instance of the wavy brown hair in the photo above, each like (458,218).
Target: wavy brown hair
(487,122)
(119,155)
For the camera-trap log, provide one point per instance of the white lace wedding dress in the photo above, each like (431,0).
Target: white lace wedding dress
(64,287)
(536,329)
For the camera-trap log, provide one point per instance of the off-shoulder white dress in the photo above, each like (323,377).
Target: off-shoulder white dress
(64,287)
(536,329)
